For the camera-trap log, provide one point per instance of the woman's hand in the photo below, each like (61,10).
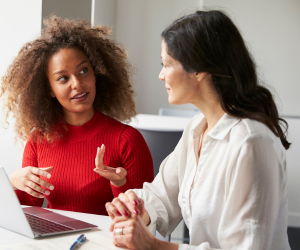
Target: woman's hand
(133,233)
(117,176)
(126,205)
(27,180)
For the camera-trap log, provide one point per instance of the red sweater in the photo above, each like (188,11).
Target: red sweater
(76,186)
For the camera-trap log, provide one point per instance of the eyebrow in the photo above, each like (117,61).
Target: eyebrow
(63,71)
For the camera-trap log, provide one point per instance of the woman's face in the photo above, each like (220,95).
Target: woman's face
(72,80)
(182,87)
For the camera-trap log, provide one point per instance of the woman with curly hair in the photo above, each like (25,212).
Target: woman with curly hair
(68,90)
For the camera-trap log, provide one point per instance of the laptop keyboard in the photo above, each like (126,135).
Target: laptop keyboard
(42,226)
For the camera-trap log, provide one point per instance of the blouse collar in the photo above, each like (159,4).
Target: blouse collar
(220,130)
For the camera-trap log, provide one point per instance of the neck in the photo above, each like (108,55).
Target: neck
(80,118)
(209,104)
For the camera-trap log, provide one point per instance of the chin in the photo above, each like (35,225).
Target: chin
(172,101)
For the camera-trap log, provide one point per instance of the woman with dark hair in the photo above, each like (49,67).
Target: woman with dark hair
(68,90)
(227,176)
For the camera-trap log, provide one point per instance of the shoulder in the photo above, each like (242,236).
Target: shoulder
(124,131)
(254,134)
(249,129)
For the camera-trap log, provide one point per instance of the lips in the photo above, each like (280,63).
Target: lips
(79,95)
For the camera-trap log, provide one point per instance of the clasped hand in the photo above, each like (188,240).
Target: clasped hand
(128,214)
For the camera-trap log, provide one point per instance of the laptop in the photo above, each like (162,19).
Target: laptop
(33,222)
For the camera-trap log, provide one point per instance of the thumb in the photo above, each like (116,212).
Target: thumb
(122,172)
(99,157)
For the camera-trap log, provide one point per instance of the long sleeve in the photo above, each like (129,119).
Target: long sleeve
(161,196)
(136,159)
(254,200)
(29,159)
(234,197)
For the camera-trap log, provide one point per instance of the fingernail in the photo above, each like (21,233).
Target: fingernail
(41,196)
(118,213)
(139,199)
(51,187)
(135,211)
(118,170)
(102,146)
(98,150)
(134,203)
(48,176)
(125,213)
(47,192)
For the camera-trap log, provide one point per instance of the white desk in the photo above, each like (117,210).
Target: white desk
(103,222)
(159,123)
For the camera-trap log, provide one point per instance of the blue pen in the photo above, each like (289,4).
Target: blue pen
(80,240)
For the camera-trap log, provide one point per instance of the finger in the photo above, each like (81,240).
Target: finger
(121,207)
(130,204)
(31,191)
(112,210)
(126,230)
(125,224)
(122,172)
(133,198)
(117,220)
(112,176)
(41,182)
(140,207)
(42,171)
(99,157)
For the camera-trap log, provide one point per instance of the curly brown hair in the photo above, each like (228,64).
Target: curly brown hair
(26,87)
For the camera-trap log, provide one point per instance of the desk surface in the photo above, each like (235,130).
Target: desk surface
(103,222)
(159,123)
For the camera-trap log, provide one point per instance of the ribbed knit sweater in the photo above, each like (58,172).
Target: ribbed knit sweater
(76,186)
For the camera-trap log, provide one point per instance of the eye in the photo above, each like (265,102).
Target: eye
(62,78)
(83,71)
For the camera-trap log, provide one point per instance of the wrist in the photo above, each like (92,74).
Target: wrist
(119,183)
(11,183)
(164,245)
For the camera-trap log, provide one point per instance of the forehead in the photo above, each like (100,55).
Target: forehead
(66,58)
(164,50)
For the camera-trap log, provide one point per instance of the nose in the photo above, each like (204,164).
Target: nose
(161,75)
(76,82)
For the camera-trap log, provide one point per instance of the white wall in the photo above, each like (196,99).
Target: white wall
(104,13)
(138,26)
(271,30)
(20,22)
(73,9)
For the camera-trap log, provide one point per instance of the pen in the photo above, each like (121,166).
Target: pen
(80,240)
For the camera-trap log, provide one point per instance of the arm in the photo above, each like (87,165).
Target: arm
(161,199)
(255,201)
(136,160)
(26,179)
(256,195)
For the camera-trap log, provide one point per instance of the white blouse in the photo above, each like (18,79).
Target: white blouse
(233,197)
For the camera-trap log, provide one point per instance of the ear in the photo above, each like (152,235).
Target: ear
(200,76)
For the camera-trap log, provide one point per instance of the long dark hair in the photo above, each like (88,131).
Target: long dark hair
(208,41)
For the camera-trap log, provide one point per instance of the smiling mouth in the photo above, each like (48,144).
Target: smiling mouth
(80,95)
